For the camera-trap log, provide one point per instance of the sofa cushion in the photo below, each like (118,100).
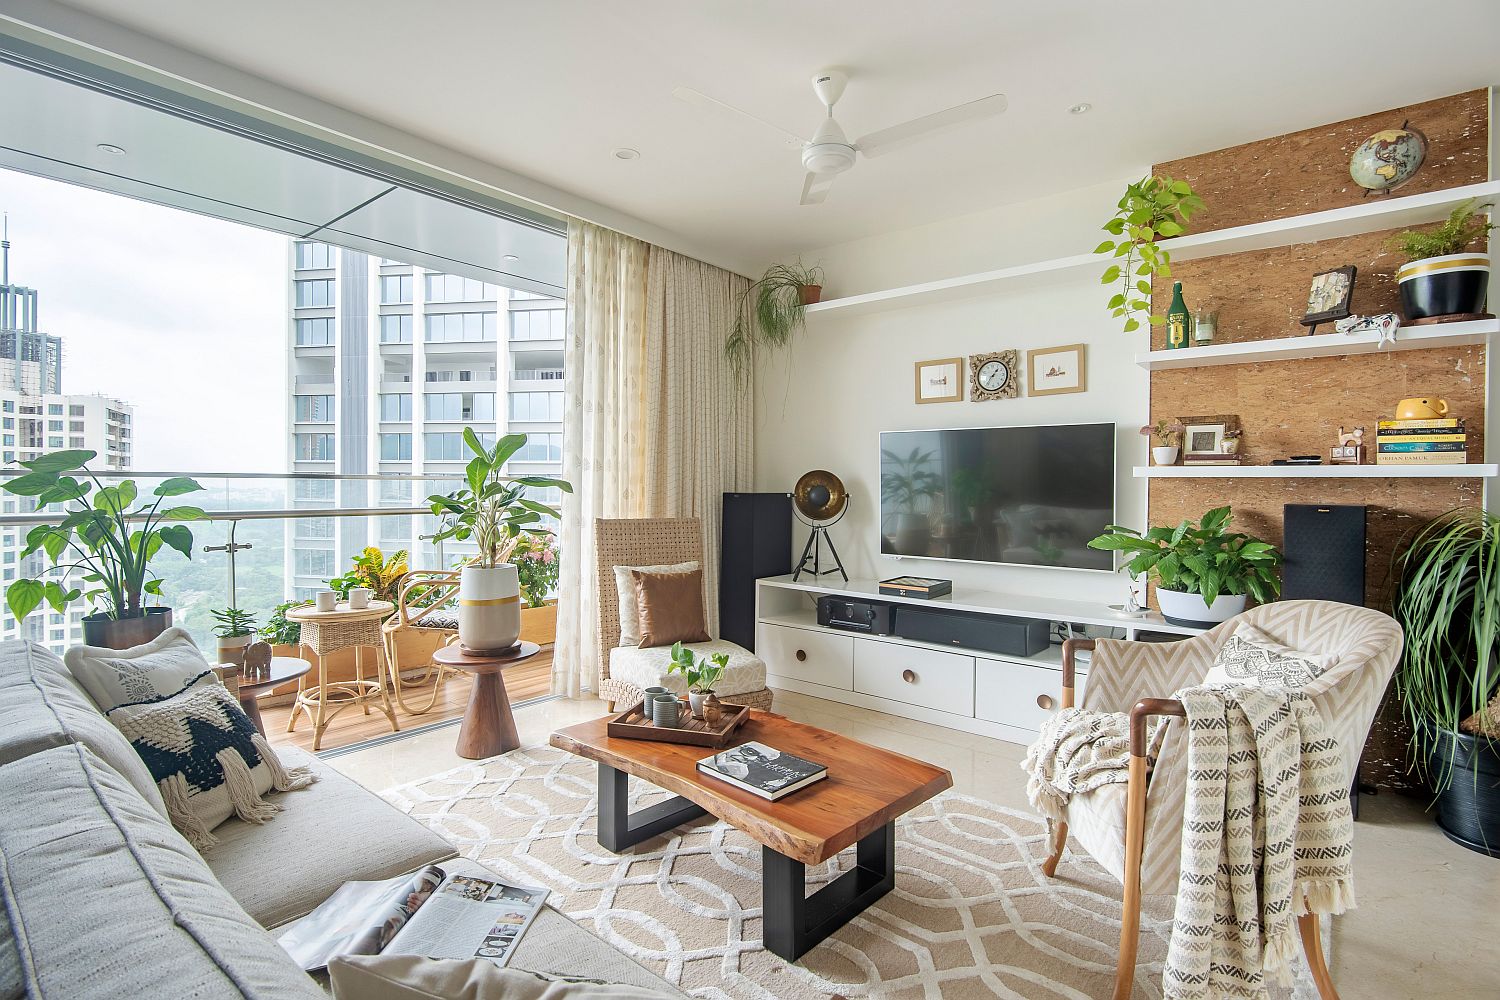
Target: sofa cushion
(325,836)
(670,606)
(149,672)
(106,900)
(1252,656)
(42,706)
(630,612)
(648,667)
(11,987)
(411,977)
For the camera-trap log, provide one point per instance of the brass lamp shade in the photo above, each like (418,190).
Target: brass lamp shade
(820,495)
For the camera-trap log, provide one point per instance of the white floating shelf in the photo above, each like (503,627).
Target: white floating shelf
(1315,471)
(1372,215)
(1322,345)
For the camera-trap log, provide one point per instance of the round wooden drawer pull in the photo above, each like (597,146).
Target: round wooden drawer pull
(909,676)
(1044,701)
(801,656)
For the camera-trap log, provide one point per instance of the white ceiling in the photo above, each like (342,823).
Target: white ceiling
(549,89)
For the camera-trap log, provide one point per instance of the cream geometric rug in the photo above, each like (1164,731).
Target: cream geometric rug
(972,915)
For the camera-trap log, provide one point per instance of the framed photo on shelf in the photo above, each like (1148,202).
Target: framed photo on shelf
(1328,298)
(940,381)
(1205,435)
(1056,370)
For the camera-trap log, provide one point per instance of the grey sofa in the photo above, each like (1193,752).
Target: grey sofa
(103,898)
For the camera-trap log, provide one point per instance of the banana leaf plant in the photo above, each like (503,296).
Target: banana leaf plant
(1199,557)
(103,537)
(491,509)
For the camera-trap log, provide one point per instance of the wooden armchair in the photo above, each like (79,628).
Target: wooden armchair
(421,625)
(1134,677)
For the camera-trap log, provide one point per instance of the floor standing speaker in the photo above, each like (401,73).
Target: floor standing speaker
(1324,553)
(755,541)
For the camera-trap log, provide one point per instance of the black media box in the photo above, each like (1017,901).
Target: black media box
(993,633)
(873,617)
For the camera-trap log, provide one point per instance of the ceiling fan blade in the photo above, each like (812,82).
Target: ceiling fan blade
(896,136)
(815,188)
(701,100)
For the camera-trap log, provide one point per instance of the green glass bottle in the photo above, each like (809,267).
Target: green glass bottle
(1179,320)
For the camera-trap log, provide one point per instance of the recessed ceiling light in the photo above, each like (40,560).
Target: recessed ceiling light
(1081,108)
(111,149)
(626,153)
(509,256)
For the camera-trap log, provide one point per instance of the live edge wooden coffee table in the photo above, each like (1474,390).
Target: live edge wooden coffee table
(866,789)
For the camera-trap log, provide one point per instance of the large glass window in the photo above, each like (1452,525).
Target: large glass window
(460,406)
(317,563)
(315,409)
(395,447)
(315,332)
(395,527)
(452,288)
(314,447)
(540,448)
(448,446)
(314,292)
(313,255)
(545,407)
(312,489)
(395,406)
(538,324)
(472,327)
(314,527)
(395,329)
(395,289)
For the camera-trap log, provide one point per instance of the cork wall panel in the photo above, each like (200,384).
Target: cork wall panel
(1308,171)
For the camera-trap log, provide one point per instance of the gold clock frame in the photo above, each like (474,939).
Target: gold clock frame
(1011,390)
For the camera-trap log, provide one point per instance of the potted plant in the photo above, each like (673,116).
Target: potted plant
(1166,440)
(374,571)
(701,674)
(107,539)
(1442,277)
(1203,572)
(1447,599)
(492,511)
(770,311)
(283,635)
(1152,209)
(235,630)
(538,570)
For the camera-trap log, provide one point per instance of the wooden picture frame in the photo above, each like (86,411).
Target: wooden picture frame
(940,380)
(1066,370)
(1205,435)
(1329,295)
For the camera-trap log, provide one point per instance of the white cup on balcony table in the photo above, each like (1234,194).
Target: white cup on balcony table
(326,600)
(359,597)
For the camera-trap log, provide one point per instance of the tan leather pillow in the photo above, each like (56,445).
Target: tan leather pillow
(671,607)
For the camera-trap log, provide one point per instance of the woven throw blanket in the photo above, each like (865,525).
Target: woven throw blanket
(1267,836)
(1077,751)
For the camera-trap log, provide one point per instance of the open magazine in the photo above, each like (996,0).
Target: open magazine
(429,913)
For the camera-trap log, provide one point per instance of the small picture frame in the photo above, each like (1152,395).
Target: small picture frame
(940,381)
(1058,370)
(1329,296)
(1205,435)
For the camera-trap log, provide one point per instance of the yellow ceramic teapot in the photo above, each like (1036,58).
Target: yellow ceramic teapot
(1422,408)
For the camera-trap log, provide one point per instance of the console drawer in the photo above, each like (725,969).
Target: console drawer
(917,676)
(1017,695)
(818,657)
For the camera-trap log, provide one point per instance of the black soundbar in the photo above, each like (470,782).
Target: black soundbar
(970,629)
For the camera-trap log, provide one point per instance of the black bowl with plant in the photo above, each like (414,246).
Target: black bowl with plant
(1443,275)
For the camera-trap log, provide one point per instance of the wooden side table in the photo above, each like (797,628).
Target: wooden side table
(254,683)
(489,728)
(325,632)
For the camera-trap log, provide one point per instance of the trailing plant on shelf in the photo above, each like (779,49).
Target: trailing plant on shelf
(278,631)
(771,310)
(1200,557)
(375,571)
(537,567)
(1152,209)
(101,533)
(1464,225)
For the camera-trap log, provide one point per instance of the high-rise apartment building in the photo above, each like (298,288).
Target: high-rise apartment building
(37,417)
(388,364)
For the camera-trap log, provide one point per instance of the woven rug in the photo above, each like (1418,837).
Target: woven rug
(972,915)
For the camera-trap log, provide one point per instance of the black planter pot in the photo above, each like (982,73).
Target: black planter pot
(1444,286)
(1468,810)
(123,633)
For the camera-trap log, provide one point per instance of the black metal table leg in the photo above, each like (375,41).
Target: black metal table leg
(619,828)
(793,922)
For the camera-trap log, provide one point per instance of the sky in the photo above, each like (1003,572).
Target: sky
(182,316)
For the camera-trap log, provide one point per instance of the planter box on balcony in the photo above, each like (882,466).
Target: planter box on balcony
(539,625)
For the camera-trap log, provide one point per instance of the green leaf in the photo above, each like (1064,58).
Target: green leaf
(1116,301)
(55,543)
(107,500)
(59,598)
(127,492)
(178,537)
(1144,287)
(184,514)
(153,587)
(32,484)
(472,440)
(176,487)
(1115,227)
(1132,324)
(1170,228)
(23,596)
(61,461)
(476,472)
(545,483)
(1111,274)
(505,448)
(1107,246)
(67,488)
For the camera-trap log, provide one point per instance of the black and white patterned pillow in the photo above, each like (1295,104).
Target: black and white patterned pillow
(1251,656)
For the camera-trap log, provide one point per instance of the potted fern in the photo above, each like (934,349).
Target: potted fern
(1442,278)
(1447,600)
(771,311)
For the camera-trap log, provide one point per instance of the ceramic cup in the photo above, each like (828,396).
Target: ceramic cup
(650,694)
(666,711)
(326,600)
(359,597)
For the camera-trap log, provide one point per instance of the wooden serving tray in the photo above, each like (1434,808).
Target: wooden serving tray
(634,725)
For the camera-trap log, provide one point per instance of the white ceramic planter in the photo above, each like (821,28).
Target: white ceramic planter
(1164,456)
(231,649)
(1190,609)
(489,608)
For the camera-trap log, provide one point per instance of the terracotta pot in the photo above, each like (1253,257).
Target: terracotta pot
(489,608)
(102,630)
(808,294)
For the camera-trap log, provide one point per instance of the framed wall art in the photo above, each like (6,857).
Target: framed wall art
(940,381)
(996,375)
(1205,435)
(1328,298)
(1056,370)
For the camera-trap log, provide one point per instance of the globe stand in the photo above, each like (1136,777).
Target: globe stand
(812,552)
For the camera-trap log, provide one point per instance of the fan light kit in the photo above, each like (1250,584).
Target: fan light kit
(829,152)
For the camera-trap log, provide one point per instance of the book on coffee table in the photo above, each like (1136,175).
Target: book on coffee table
(763,770)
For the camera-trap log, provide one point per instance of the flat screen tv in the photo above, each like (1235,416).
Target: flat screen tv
(1031,496)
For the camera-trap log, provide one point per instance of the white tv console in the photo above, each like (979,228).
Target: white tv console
(976,691)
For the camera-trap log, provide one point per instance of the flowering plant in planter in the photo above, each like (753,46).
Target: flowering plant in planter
(537,567)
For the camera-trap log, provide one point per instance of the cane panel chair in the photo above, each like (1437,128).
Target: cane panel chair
(421,609)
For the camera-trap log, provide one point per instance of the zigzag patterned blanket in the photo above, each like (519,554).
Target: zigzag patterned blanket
(1267,836)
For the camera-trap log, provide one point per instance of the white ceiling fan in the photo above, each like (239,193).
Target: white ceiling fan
(829,153)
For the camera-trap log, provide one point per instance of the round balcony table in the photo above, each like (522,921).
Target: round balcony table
(254,683)
(325,632)
(489,728)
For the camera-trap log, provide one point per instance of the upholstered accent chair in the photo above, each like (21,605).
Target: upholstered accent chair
(422,624)
(1134,830)
(625,670)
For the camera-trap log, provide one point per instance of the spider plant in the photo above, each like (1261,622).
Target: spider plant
(770,312)
(1448,602)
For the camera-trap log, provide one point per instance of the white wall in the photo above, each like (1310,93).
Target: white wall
(823,403)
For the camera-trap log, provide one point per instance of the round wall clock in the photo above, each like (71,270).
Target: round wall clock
(994,376)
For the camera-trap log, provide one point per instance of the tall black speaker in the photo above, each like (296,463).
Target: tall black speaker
(755,541)
(1324,553)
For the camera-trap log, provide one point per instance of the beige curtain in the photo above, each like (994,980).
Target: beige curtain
(655,426)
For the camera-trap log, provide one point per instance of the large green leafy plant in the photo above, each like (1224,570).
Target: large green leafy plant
(1152,209)
(102,533)
(491,509)
(1199,557)
(1447,600)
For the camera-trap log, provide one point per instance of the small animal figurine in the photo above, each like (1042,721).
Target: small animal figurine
(1351,448)
(258,658)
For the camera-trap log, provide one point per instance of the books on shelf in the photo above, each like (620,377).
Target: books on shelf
(1210,458)
(1422,458)
(1438,441)
(1385,426)
(926,587)
(763,770)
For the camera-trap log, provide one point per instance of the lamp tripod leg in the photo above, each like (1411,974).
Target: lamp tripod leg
(837,562)
(806,553)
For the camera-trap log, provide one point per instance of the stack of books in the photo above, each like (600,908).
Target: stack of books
(1210,458)
(763,770)
(1440,441)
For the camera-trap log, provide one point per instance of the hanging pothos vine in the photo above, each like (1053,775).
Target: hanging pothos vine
(1151,209)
